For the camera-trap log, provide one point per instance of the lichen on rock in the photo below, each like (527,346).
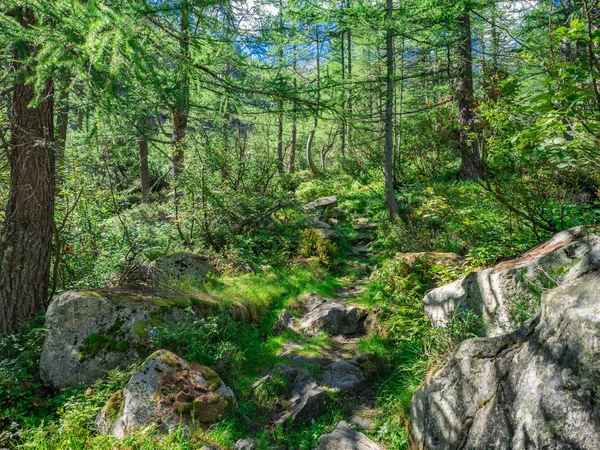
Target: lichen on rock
(168,393)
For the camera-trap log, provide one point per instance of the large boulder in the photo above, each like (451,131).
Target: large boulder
(536,388)
(345,438)
(321,204)
(168,393)
(498,294)
(181,265)
(90,333)
(331,317)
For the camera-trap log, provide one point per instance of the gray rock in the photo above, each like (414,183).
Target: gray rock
(536,388)
(245,444)
(308,400)
(319,222)
(90,333)
(180,265)
(362,252)
(332,317)
(321,204)
(363,238)
(334,213)
(344,376)
(345,438)
(285,320)
(362,422)
(304,361)
(166,392)
(491,293)
(364,224)
(329,235)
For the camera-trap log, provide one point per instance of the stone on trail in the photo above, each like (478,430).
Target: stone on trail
(536,388)
(491,294)
(344,376)
(90,333)
(321,204)
(308,400)
(363,224)
(345,438)
(284,321)
(331,317)
(328,235)
(168,393)
(245,444)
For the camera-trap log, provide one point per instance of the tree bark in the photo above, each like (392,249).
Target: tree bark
(311,136)
(471,167)
(62,125)
(294,118)
(26,239)
(144,171)
(390,198)
(181,107)
(349,100)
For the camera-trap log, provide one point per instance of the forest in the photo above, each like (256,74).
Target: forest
(294,224)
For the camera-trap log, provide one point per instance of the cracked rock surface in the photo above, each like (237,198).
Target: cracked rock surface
(536,388)
(489,293)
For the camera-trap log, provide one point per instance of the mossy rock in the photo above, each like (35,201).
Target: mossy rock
(167,392)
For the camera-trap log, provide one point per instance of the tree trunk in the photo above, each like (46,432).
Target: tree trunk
(311,136)
(390,199)
(144,171)
(26,240)
(280,137)
(349,77)
(181,108)
(63,123)
(294,118)
(471,167)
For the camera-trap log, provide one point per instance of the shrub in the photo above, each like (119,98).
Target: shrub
(313,244)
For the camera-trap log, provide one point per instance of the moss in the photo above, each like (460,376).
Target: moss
(114,404)
(140,329)
(87,294)
(169,359)
(212,378)
(92,345)
(111,341)
(122,346)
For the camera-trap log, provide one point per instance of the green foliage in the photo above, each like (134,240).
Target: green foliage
(276,387)
(216,341)
(21,392)
(313,244)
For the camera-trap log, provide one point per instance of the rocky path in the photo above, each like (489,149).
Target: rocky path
(334,368)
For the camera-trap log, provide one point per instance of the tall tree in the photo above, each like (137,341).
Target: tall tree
(471,167)
(390,198)
(26,239)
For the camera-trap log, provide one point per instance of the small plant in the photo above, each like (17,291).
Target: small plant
(21,391)
(275,387)
(313,244)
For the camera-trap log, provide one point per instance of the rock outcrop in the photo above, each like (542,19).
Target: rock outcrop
(90,333)
(536,388)
(345,438)
(494,294)
(331,317)
(169,394)
(321,204)
(344,376)
(181,264)
(308,400)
